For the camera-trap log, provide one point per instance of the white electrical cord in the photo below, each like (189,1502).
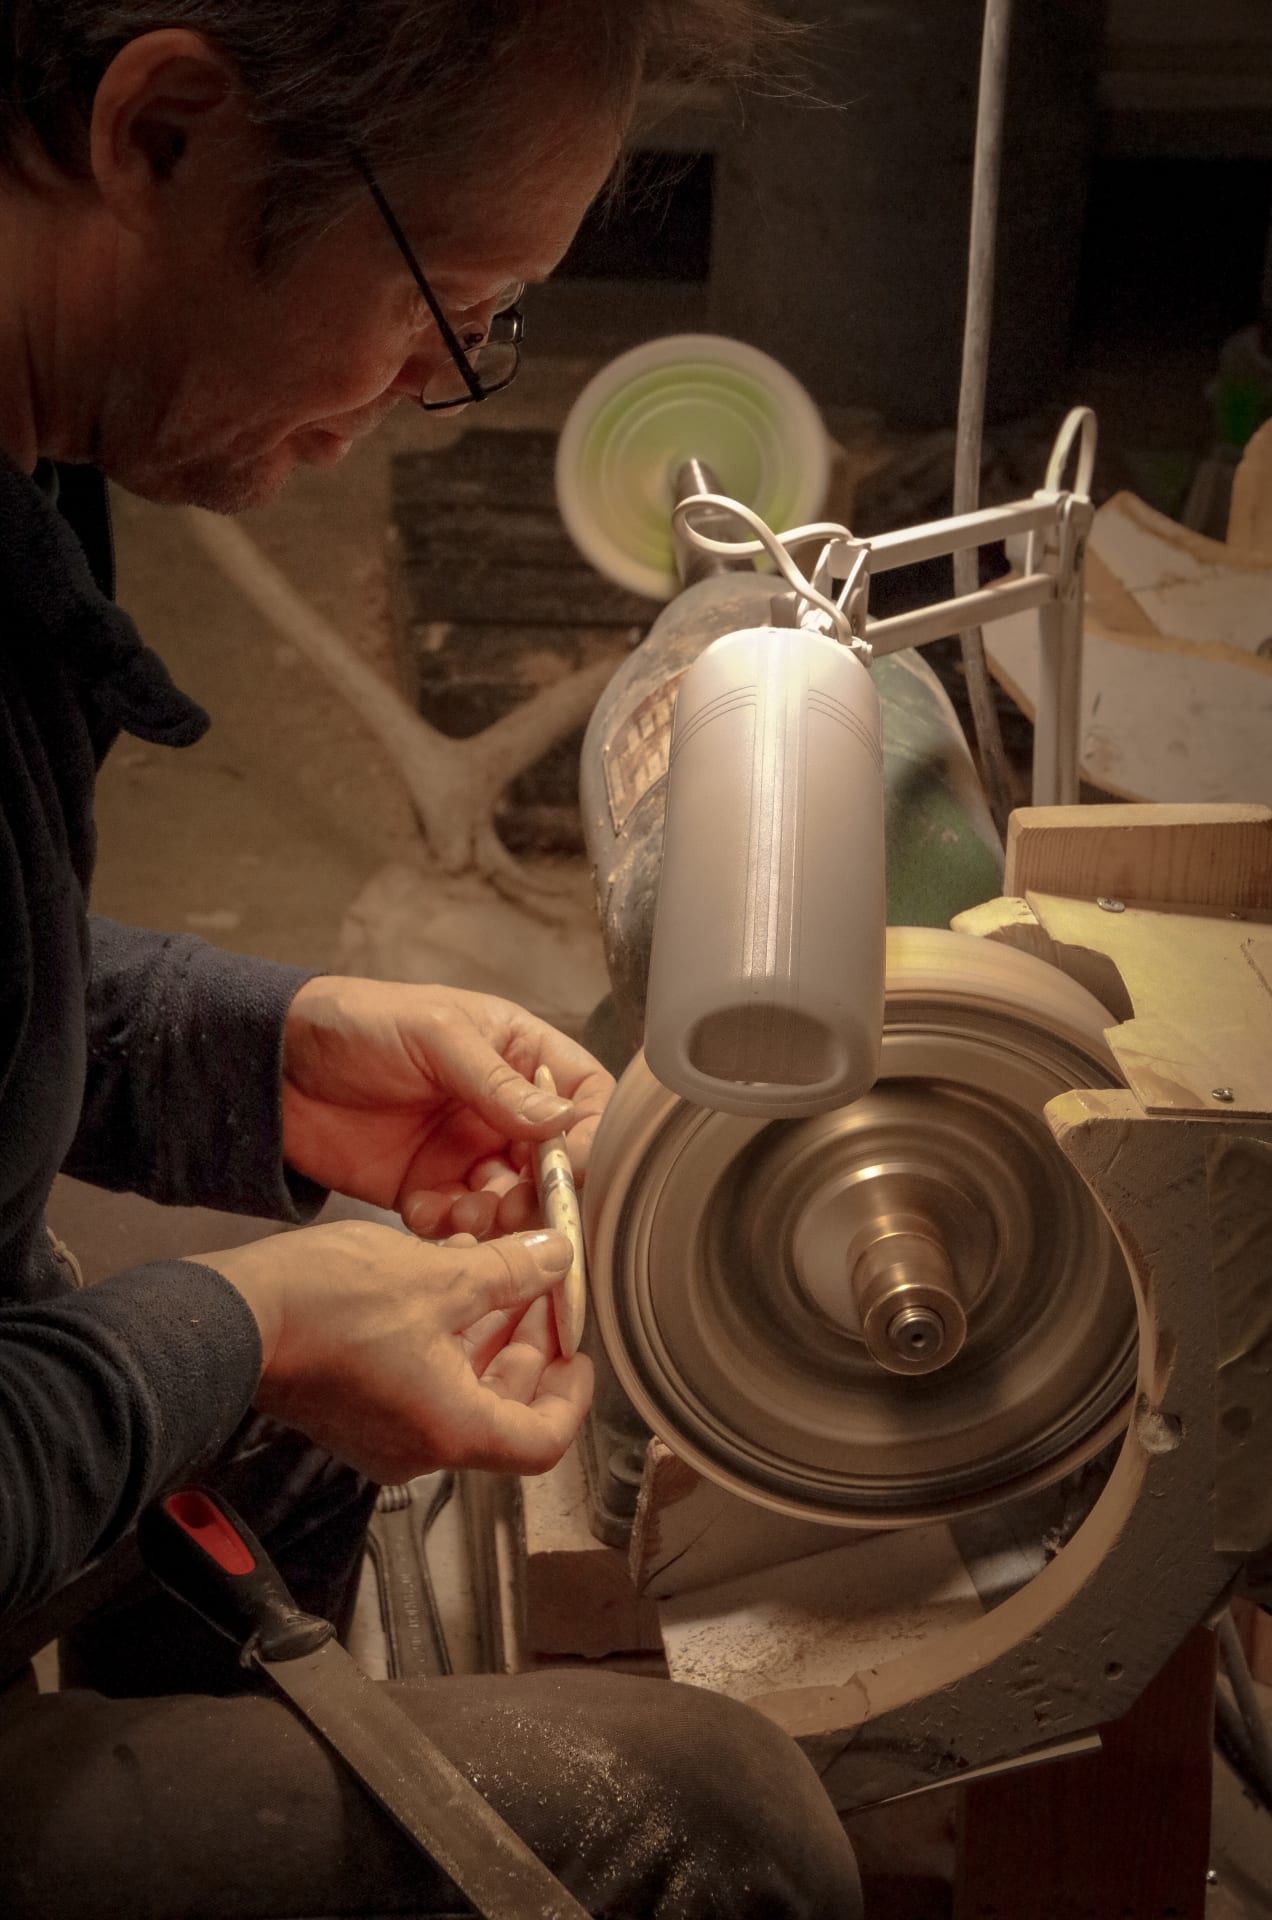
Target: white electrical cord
(815,608)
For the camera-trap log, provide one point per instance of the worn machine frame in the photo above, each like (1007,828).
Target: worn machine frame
(1175,903)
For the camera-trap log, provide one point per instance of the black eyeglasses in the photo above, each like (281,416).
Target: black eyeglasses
(482,363)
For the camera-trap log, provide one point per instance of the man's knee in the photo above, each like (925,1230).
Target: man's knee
(720,1810)
(745,1784)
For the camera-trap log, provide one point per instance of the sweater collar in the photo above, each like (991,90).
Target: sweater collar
(51,601)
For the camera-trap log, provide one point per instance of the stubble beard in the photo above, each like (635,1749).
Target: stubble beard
(214,485)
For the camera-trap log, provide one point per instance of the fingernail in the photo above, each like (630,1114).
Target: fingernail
(553,1249)
(540,1108)
(470,1214)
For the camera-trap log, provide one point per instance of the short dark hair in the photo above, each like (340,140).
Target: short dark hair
(408,82)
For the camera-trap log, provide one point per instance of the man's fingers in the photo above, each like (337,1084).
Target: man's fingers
(493,1176)
(428,1214)
(515,1371)
(474,1213)
(476,1072)
(482,1341)
(518,1208)
(510,1273)
(531,1439)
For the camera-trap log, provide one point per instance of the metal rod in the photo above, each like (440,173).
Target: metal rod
(973,385)
(692,564)
(936,538)
(951,616)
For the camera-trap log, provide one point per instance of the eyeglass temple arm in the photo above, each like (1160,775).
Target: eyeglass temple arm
(404,247)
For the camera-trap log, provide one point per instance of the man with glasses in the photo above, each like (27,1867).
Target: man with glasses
(483,361)
(207,281)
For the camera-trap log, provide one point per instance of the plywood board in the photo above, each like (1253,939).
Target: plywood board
(1181,1047)
(1158,721)
(1178,582)
(1176,698)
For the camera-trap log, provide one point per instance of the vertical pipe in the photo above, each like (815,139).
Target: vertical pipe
(986,178)
(1045,790)
(1068,722)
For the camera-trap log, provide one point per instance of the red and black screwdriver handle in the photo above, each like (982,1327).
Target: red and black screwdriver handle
(196,1547)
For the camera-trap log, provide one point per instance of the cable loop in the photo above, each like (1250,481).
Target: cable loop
(815,608)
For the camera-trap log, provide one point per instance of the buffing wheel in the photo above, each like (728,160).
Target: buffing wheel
(691,396)
(893,1313)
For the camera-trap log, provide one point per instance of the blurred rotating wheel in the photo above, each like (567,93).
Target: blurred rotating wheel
(901,1311)
(692,396)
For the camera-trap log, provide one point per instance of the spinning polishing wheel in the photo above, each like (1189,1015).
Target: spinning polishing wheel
(691,396)
(895,1312)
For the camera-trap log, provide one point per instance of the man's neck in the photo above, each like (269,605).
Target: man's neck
(48,262)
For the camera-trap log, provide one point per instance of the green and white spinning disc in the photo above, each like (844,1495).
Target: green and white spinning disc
(691,396)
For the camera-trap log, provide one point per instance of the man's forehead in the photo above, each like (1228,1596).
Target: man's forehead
(507,222)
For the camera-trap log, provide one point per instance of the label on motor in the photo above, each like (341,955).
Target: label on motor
(636,758)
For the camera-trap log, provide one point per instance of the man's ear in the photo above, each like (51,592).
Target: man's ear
(166,101)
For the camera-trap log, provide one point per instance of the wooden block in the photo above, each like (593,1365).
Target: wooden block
(579,1597)
(820,1620)
(1181,1046)
(689,1533)
(1125,1832)
(1015,924)
(1202,856)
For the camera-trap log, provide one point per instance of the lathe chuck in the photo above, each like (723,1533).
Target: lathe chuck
(892,1313)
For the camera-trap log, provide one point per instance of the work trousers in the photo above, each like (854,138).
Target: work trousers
(154,1787)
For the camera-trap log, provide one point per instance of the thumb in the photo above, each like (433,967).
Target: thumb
(470,1068)
(510,1273)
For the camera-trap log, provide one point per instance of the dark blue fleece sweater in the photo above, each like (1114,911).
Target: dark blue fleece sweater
(141,1061)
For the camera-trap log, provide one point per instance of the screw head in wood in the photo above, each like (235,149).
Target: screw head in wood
(1111,906)
(1223,1093)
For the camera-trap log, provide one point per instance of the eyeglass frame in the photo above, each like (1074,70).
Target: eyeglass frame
(511,315)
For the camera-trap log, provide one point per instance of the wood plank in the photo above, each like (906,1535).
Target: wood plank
(1161,720)
(1176,1052)
(1176,701)
(1122,1832)
(1186,586)
(1188,855)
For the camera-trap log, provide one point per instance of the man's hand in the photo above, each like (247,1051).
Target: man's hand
(421,1099)
(402,1359)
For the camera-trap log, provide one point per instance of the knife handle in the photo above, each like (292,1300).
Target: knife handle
(197,1547)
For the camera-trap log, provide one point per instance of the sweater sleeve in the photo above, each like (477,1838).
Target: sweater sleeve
(109,1398)
(183,1100)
